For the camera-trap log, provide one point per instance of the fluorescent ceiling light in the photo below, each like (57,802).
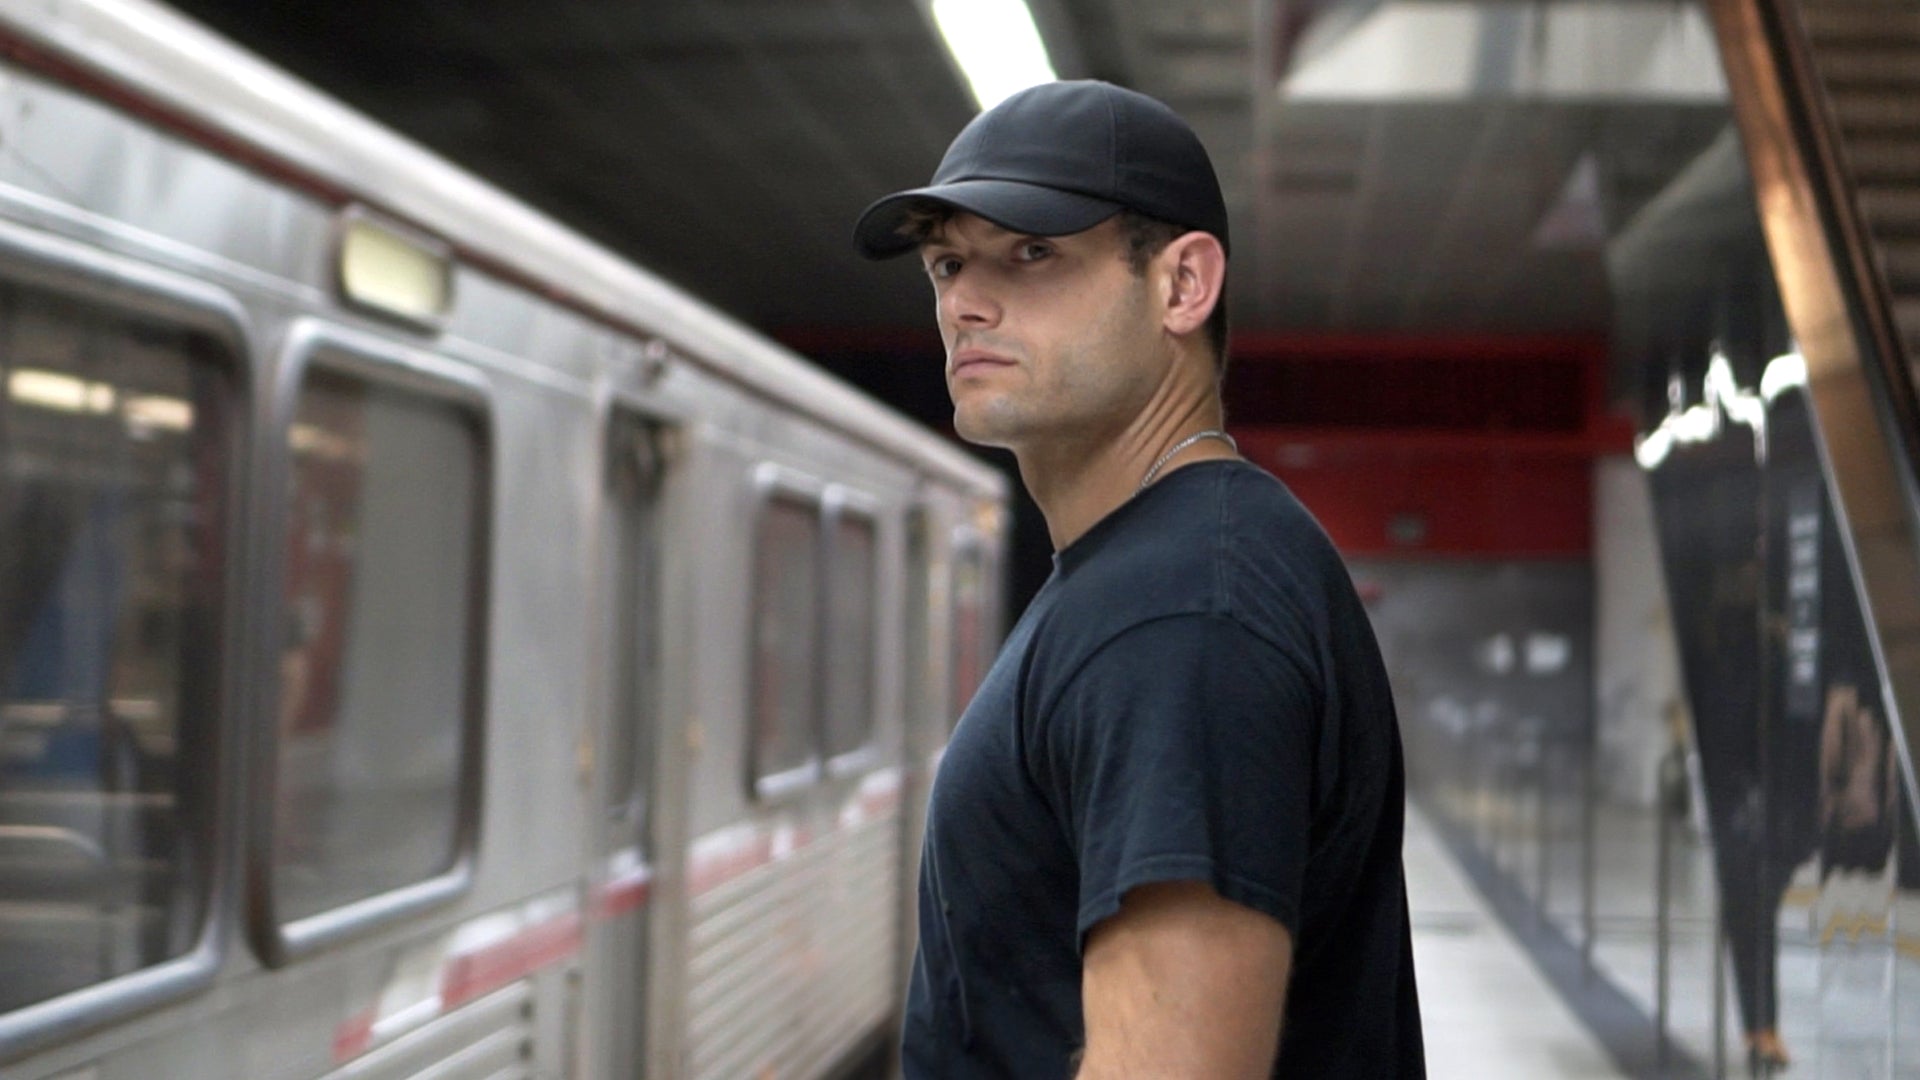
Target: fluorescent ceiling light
(312,440)
(59,391)
(996,45)
(1462,50)
(1783,374)
(1722,399)
(56,390)
(152,411)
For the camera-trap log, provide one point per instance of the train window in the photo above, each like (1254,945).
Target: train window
(850,638)
(633,481)
(117,435)
(969,621)
(786,634)
(375,661)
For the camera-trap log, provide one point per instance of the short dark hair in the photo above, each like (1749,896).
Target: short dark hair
(1145,237)
(924,220)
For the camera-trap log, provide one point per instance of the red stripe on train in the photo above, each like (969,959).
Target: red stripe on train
(474,975)
(623,895)
(714,871)
(879,803)
(487,969)
(478,973)
(354,1035)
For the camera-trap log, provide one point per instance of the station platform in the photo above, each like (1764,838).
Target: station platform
(1505,991)
(1487,1011)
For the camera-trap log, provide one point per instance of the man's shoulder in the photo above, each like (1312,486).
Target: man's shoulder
(1236,535)
(1223,510)
(1157,556)
(1221,539)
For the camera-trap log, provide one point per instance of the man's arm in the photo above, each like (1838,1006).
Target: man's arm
(1182,983)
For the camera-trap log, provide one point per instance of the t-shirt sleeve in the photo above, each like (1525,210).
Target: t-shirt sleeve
(1182,750)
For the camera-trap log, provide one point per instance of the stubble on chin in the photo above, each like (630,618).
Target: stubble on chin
(987,423)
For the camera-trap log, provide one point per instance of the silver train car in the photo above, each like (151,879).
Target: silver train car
(432,647)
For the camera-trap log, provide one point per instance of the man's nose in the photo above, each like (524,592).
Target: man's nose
(965,304)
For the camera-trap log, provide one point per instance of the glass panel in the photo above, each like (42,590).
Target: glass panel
(115,439)
(969,625)
(785,629)
(1707,500)
(633,482)
(374,665)
(1778,716)
(850,636)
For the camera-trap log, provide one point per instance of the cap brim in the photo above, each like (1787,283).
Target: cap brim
(1010,204)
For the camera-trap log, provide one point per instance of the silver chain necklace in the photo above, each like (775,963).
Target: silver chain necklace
(1211,433)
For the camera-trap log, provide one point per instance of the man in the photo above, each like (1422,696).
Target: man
(1165,839)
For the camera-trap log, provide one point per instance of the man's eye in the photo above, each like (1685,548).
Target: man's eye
(944,267)
(1035,250)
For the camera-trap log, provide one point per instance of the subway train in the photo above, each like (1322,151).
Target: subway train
(433,646)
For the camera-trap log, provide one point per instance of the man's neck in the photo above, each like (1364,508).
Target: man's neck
(1077,483)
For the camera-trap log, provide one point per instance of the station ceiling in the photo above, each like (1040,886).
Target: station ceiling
(1400,167)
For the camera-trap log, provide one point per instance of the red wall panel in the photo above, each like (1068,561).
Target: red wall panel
(1412,496)
(1435,446)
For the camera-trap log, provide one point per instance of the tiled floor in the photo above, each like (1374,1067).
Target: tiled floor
(1849,1007)
(1488,1013)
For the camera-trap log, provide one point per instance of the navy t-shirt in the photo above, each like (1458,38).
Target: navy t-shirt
(1195,695)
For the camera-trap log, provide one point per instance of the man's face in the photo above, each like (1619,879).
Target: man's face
(1048,337)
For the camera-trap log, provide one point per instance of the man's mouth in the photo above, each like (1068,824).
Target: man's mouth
(975,360)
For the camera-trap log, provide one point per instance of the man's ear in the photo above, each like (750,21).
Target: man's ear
(1196,269)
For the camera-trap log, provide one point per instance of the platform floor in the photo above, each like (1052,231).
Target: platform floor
(1849,1004)
(1849,999)
(1487,1011)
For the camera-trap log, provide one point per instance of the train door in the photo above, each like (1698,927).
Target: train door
(923,690)
(624,874)
(973,636)
(949,633)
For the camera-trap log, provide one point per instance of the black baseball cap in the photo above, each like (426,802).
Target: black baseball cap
(1060,158)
